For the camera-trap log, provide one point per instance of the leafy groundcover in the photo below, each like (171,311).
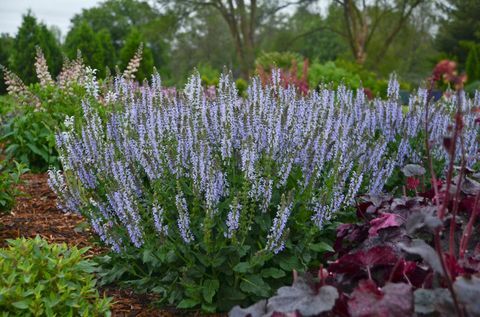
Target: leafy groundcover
(389,263)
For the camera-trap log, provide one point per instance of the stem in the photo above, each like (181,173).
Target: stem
(448,278)
(442,207)
(468,229)
(427,144)
(456,201)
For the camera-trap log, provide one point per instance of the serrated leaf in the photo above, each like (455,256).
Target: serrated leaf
(210,288)
(242,267)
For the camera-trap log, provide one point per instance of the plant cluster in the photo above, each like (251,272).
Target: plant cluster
(40,109)
(41,279)
(407,256)
(388,265)
(216,198)
(9,177)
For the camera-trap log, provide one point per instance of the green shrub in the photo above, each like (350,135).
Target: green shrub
(29,131)
(41,279)
(9,177)
(281,60)
(350,74)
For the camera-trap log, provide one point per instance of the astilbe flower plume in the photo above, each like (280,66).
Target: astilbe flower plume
(41,69)
(17,89)
(133,64)
(329,145)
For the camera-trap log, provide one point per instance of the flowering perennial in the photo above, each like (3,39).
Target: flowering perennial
(162,165)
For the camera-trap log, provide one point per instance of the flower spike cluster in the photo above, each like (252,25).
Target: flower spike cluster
(230,159)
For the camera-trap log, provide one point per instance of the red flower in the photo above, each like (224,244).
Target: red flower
(412,183)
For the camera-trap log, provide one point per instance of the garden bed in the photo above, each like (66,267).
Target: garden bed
(36,213)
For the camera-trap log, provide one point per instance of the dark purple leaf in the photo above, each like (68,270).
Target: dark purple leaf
(364,260)
(386,220)
(426,252)
(423,218)
(408,271)
(393,300)
(349,234)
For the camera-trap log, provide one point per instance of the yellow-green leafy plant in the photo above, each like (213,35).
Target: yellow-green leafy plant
(42,279)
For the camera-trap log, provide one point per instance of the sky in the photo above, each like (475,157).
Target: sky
(50,12)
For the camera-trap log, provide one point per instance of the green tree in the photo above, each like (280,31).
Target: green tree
(119,17)
(82,37)
(312,35)
(30,34)
(244,20)
(203,39)
(460,24)
(108,50)
(132,42)
(6,44)
(472,65)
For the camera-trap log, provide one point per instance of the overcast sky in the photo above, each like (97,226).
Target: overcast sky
(50,12)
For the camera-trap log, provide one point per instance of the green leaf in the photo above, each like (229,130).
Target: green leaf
(321,247)
(23,304)
(37,151)
(242,267)
(210,288)
(209,308)
(273,272)
(254,284)
(188,303)
(290,263)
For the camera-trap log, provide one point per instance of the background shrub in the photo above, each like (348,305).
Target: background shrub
(41,279)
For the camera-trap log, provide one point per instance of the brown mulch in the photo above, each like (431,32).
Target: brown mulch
(36,213)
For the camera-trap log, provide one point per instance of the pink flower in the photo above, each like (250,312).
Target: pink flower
(412,183)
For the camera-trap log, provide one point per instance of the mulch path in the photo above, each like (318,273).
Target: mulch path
(36,213)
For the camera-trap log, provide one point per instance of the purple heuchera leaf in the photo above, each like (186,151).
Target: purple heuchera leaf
(394,299)
(256,310)
(427,253)
(304,299)
(429,301)
(410,170)
(352,263)
(386,220)
(468,292)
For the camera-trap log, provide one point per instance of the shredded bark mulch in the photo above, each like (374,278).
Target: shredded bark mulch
(36,213)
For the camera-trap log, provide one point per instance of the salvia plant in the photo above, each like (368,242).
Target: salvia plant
(210,200)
